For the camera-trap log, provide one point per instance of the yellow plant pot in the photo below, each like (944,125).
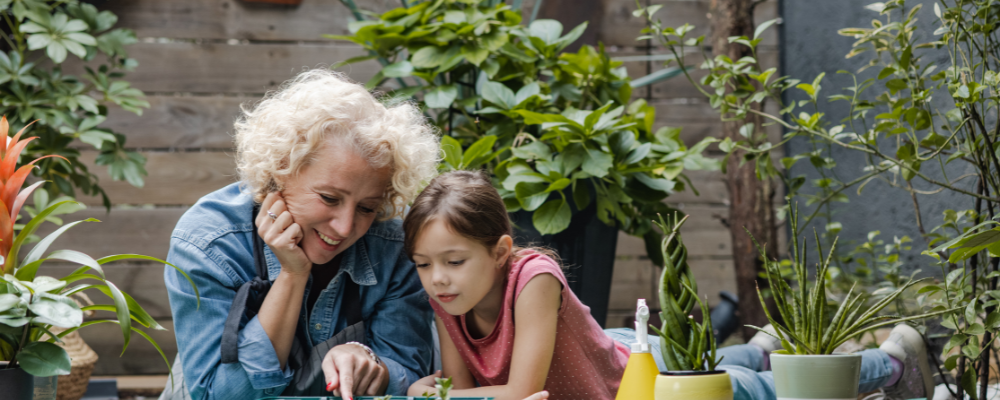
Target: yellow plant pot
(694,385)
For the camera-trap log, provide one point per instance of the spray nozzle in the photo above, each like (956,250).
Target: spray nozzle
(641,320)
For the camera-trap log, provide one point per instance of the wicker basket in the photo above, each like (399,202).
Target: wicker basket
(82,360)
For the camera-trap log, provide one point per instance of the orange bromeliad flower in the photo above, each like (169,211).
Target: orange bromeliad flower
(11,180)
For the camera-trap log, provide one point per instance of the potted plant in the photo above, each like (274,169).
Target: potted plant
(31,305)
(806,367)
(41,37)
(574,158)
(688,346)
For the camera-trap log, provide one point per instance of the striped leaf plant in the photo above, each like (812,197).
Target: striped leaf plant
(686,345)
(806,328)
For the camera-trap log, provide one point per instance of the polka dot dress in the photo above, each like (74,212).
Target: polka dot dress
(587,364)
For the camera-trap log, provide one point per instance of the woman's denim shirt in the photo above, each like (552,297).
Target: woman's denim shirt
(212,243)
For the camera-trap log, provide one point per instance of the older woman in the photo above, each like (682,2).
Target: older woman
(303,287)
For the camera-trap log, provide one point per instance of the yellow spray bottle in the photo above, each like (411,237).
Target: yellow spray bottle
(641,371)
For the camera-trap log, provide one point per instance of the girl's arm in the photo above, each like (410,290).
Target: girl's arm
(451,362)
(536,315)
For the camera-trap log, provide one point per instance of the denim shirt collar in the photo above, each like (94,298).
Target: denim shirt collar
(355,263)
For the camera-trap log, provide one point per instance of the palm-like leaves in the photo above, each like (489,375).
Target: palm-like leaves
(31,305)
(686,345)
(803,309)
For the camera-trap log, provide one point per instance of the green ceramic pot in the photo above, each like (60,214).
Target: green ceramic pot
(826,377)
(694,385)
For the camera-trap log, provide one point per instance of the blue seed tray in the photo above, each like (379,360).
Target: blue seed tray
(371,398)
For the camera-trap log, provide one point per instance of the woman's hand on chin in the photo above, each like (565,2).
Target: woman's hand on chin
(350,371)
(276,226)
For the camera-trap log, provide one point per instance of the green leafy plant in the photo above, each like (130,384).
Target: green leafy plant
(31,305)
(686,344)
(803,310)
(40,35)
(557,129)
(929,109)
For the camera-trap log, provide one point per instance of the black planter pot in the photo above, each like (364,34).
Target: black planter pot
(587,248)
(15,383)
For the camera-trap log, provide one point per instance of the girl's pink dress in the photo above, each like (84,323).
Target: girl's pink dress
(587,364)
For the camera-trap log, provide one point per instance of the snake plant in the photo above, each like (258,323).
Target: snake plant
(808,327)
(686,344)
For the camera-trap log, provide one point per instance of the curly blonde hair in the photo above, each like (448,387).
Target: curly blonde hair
(281,134)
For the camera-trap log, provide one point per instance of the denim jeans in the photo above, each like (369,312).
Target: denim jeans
(744,363)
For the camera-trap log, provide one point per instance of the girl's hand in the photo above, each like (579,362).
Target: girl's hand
(424,385)
(276,226)
(350,370)
(543,395)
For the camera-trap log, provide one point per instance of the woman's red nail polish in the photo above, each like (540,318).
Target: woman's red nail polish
(329,387)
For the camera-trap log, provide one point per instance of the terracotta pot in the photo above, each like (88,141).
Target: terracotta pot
(694,385)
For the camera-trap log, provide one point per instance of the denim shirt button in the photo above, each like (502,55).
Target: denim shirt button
(319,326)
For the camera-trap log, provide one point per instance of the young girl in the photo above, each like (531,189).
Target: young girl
(507,320)
(514,328)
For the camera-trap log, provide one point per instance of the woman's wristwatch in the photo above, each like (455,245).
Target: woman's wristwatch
(371,354)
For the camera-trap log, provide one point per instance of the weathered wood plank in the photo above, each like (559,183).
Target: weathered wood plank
(174,178)
(620,28)
(224,68)
(137,231)
(232,19)
(703,233)
(141,358)
(177,178)
(180,122)
(636,279)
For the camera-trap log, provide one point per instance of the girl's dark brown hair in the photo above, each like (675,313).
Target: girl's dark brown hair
(469,204)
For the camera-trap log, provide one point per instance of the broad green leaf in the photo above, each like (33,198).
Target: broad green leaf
(536,150)
(400,69)
(429,57)
(546,29)
(478,149)
(475,54)
(499,94)
(8,301)
(56,311)
(44,359)
(526,92)
(638,154)
(531,195)
(552,217)
(572,36)
(660,184)
(441,96)
(452,151)
(598,163)
(558,185)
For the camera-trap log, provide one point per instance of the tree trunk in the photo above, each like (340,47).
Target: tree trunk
(751,200)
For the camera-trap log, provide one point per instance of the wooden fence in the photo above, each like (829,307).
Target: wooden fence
(200,59)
